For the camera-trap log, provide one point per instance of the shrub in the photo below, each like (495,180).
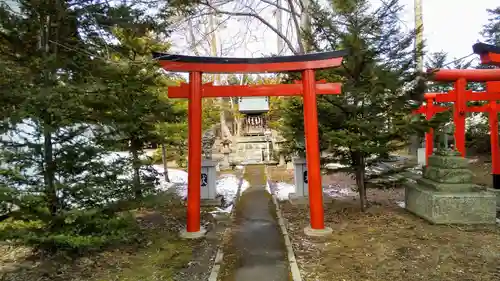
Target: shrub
(73,232)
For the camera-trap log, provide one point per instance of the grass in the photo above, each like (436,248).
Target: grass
(279,174)
(159,257)
(388,243)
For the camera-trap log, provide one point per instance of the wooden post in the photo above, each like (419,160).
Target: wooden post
(429,136)
(194,153)
(493,121)
(459,115)
(312,151)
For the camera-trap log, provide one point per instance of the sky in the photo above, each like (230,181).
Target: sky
(449,25)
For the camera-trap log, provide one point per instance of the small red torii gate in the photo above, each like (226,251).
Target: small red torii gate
(195,91)
(489,54)
(460,96)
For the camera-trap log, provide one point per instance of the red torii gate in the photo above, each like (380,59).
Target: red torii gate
(195,91)
(460,96)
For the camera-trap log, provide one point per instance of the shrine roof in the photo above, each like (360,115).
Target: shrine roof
(174,62)
(482,48)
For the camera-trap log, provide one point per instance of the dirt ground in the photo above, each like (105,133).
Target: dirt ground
(388,243)
(163,257)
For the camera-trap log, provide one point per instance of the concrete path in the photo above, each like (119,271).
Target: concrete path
(256,237)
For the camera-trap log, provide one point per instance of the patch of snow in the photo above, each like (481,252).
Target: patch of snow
(268,188)
(282,190)
(227,187)
(416,170)
(219,210)
(337,190)
(333,166)
(401,204)
(498,221)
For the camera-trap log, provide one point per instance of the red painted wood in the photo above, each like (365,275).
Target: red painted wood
(194,153)
(459,115)
(312,151)
(211,91)
(494,87)
(471,75)
(469,96)
(491,59)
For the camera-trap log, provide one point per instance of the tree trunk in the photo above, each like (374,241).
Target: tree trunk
(305,25)
(279,27)
(49,170)
(360,178)
(164,160)
(415,140)
(225,132)
(49,163)
(298,31)
(135,146)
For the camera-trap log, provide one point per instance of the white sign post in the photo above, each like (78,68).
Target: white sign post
(208,187)
(300,175)
(421,160)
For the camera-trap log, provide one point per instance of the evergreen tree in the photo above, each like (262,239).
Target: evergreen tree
(133,100)
(62,97)
(372,115)
(491,31)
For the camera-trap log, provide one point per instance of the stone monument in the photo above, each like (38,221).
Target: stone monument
(280,151)
(301,194)
(446,195)
(226,163)
(208,171)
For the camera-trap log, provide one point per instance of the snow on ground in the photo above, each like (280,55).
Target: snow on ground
(226,186)
(337,190)
(283,189)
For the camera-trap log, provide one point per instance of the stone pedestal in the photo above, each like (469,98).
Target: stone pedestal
(301,194)
(208,187)
(225,164)
(497,194)
(445,193)
(300,177)
(282,162)
(193,235)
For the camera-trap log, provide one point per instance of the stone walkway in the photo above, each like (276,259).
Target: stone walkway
(256,238)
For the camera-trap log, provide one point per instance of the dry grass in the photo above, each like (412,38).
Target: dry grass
(278,174)
(387,243)
(160,258)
